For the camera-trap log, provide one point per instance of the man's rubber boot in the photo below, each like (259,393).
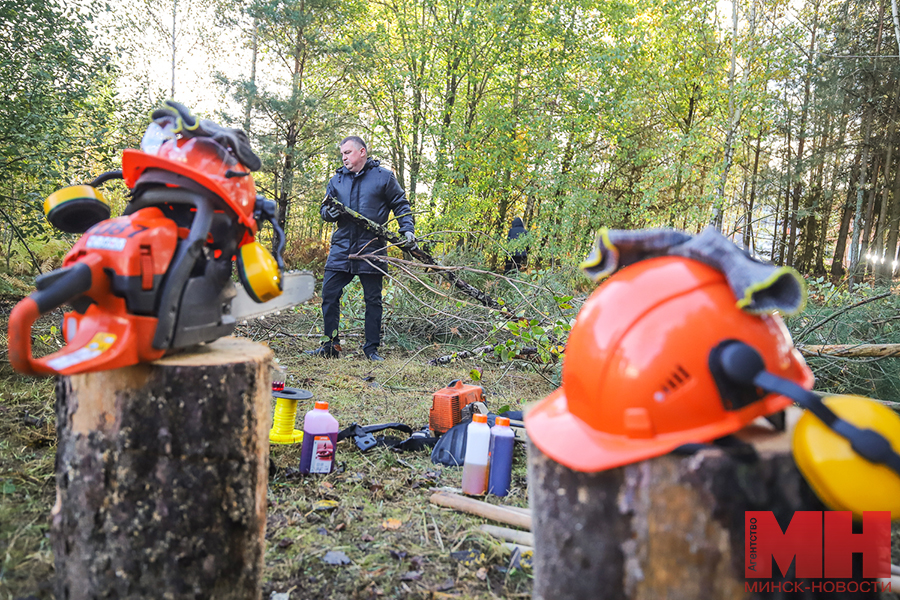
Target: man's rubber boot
(326,350)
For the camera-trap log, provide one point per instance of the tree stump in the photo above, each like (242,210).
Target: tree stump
(670,527)
(161,477)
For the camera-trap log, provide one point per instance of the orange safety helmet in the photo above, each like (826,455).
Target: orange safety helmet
(178,149)
(204,161)
(637,381)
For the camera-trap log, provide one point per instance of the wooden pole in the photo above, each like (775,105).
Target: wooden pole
(515,536)
(669,527)
(161,476)
(501,514)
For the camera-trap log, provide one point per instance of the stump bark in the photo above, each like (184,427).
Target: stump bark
(670,527)
(161,475)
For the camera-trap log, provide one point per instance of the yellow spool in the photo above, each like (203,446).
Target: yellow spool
(285,416)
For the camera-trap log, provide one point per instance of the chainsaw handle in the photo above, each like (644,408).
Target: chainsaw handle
(58,287)
(104,177)
(64,285)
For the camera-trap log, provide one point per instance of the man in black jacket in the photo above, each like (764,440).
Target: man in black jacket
(519,258)
(373,191)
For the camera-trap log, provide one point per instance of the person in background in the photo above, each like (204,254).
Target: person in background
(519,258)
(373,191)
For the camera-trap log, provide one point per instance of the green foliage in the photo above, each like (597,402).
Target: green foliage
(56,121)
(530,335)
(836,316)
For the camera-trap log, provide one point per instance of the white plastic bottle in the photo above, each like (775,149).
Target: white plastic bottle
(475,465)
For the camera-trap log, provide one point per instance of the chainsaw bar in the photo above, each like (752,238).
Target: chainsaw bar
(299,286)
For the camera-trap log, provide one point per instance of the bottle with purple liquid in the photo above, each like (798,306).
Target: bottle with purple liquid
(320,431)
(501,453)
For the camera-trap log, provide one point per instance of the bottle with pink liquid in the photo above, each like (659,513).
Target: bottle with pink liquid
(475,465)
(320,431)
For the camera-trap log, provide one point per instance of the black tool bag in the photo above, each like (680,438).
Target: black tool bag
(364,439)
(450,448)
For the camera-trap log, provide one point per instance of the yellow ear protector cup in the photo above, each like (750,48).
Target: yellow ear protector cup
(841,478)
(76,208)
(845,446)
(258,272)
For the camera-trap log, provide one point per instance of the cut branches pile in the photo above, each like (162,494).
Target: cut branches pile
(540,339)
(413,250)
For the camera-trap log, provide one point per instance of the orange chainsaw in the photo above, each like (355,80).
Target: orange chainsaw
(158,278)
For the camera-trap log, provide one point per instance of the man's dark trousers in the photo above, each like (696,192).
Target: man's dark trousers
(333,287)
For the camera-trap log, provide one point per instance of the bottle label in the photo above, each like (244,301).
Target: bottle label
(322,455)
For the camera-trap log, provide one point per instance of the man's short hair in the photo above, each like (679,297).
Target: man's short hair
(355,139)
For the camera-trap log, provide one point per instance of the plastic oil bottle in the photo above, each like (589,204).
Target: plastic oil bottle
(320,431)
(475,465)
(501,453)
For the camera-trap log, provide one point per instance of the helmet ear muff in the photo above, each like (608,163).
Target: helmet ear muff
(76,208)
(841,478)
(258,272)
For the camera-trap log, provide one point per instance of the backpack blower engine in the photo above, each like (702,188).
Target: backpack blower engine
(158,278)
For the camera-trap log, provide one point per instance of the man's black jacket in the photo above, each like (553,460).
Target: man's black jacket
(373,192)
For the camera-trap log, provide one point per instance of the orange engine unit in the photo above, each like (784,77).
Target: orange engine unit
(448,403)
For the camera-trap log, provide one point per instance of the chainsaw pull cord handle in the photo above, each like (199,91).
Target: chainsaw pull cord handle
(744,366)
(64,285)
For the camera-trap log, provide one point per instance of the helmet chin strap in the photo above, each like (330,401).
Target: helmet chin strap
(743,366)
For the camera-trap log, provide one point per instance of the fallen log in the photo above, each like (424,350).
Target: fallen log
(480,351)
(479,508)
(850,350)
(414,250)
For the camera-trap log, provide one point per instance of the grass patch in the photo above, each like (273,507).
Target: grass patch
(397,543)
(27,484)
(409,556)
(392,542)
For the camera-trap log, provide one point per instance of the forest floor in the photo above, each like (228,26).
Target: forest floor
(395,543)
(389,541)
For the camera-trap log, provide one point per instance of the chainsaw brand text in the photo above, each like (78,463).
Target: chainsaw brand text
(823,544)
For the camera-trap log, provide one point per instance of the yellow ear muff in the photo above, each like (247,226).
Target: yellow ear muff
(76,208)
(841,478)
(258,272)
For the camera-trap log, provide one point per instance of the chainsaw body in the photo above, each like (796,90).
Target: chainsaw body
(159,277)
(448,403)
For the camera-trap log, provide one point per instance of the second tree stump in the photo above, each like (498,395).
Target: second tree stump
(668,527)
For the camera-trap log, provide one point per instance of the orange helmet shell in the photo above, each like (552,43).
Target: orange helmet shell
(204,161)
(636,381)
